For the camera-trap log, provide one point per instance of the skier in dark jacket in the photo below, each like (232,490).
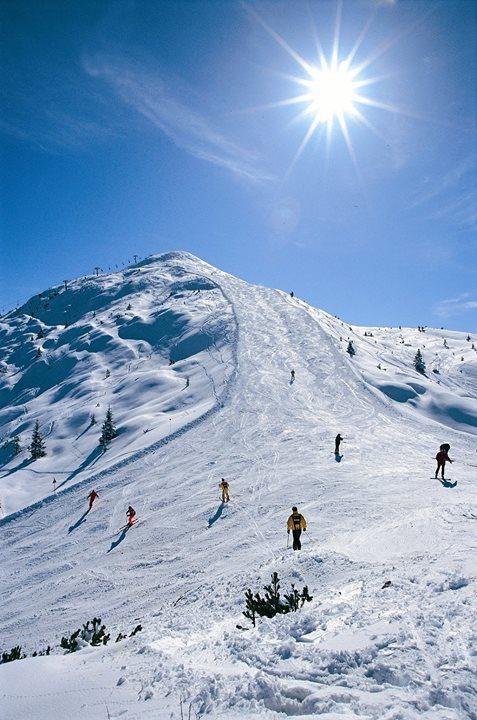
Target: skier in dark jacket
(338,440)
(131,516)
(292,373)
(92,497)
(296,523)
(442,457)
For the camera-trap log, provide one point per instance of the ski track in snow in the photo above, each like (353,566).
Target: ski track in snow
(357,651)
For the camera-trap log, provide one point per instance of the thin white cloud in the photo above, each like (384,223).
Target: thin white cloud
(58,114)
(445,182)
(150,96)
(453,197)
(456,306)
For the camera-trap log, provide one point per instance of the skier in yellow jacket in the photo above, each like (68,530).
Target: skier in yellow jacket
(224,487)
(296,523)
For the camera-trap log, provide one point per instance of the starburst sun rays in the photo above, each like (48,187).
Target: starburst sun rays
(333,90)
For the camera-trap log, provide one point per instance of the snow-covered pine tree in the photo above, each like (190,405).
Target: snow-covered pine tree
(419,363)
(108,431)
(16,445)
(350,349)
(37,447)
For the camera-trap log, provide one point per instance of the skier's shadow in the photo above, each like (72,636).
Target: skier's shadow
(447,483)
(338,457)
(119,540)
(79,522)
(292,380)
(218,513)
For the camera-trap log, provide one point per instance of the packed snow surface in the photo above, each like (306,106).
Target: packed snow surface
(227,407)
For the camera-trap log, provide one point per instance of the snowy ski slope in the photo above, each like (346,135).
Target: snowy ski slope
(357,651)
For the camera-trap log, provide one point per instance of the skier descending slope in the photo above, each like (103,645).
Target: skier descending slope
(131,516)
(92,497)
(292,379)
(442,457)
(224,487)
(338,440)
(296,523)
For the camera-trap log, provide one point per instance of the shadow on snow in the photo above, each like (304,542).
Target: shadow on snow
(119,540)
(79,522)
(218,513)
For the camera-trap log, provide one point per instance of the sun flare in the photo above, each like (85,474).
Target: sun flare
(333,90)
(332,93)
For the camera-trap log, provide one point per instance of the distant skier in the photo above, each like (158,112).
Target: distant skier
(131,516)
(292,373)
(54,485)
(92,497)
(224,488)
(442,457)
(338,440)
(292,294)
(296,523)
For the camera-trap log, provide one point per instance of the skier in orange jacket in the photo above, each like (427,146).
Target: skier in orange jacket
(296,523)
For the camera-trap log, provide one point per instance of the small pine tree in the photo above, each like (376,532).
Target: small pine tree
(272,604)
(251,612)
(92,419)
(40,334)
(37,448)
(350,349)
(129,307)
(419,363)
(108,431)
(16,445)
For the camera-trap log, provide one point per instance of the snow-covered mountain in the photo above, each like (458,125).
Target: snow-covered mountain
(226,407)
(121,333)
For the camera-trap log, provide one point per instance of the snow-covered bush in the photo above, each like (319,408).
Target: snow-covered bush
(14,654)
(92,633)
(272,604)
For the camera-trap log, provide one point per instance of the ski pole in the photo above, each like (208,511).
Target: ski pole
(288,540)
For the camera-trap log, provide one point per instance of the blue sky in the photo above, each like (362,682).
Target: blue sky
(140,127)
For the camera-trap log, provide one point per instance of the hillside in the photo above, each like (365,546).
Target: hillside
(121,333)
(357,650)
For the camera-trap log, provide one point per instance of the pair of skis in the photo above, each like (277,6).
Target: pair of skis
(128,525)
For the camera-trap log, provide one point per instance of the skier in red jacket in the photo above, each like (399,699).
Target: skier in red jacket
(131,516)
(92,497)
(442,457)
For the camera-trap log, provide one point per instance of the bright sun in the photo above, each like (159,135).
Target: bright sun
(332,93)
(332,90)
